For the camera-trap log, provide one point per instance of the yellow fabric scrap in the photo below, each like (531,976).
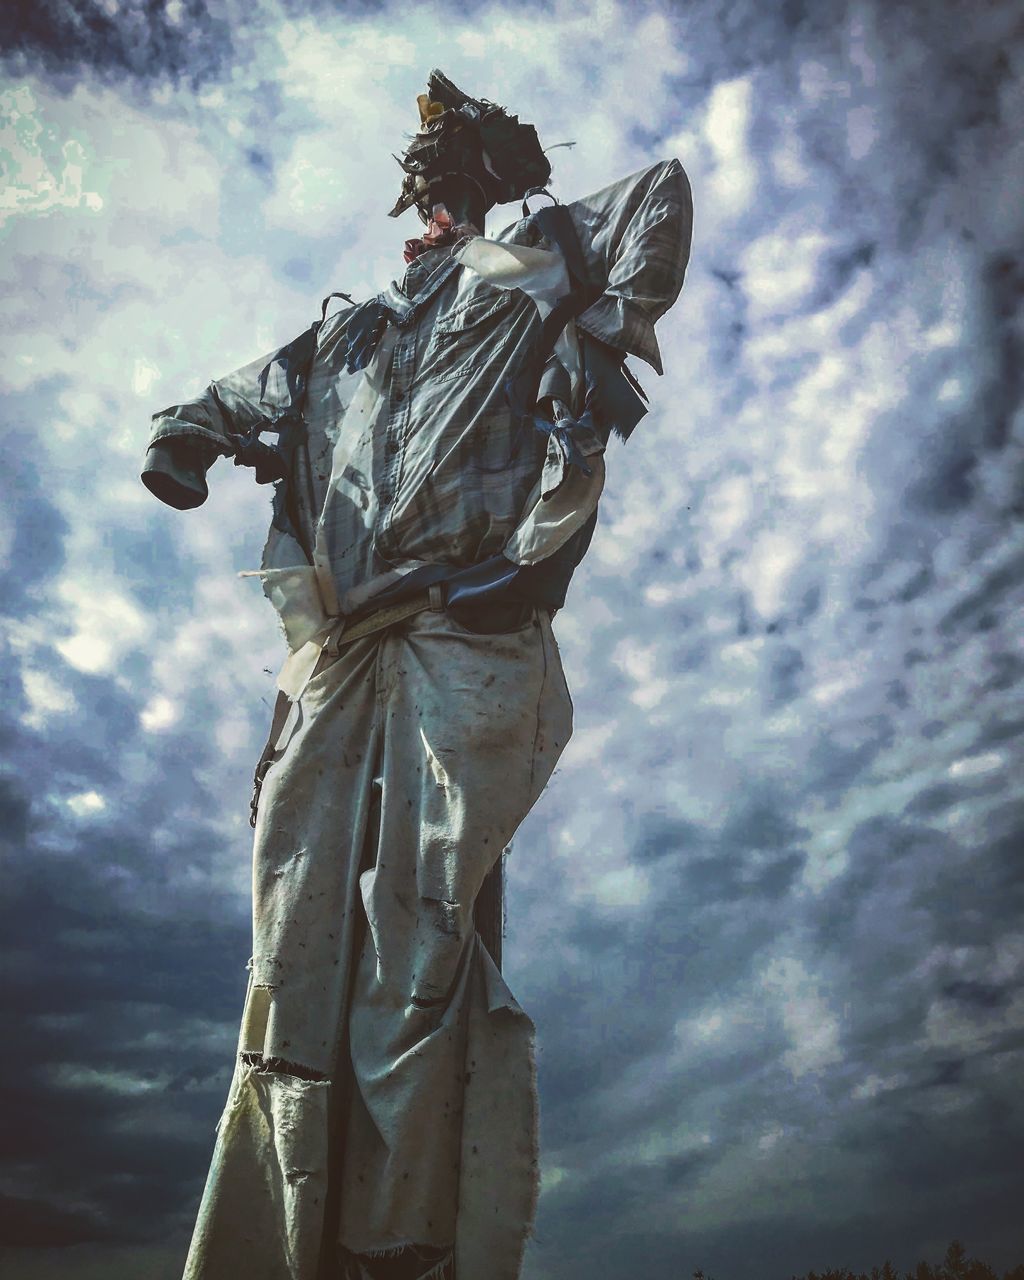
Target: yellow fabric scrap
(428,110)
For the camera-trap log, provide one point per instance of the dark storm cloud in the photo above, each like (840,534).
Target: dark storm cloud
(1004,281)
(15,808)
(139,40)
(1000,586)
(784,675)
(37,547)
(136,40)
(716,908)
(143,41)
(117,1021)
(124,978)
(766,920)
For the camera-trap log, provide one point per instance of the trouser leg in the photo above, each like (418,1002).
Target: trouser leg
(471,729)
(262,1213)
(438,1086)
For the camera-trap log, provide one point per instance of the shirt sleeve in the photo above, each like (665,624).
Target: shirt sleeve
(186,439)
(636,235)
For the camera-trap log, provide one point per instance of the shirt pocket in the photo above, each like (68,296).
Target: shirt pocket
(458,337)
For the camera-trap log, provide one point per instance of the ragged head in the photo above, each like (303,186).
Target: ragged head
(467,155)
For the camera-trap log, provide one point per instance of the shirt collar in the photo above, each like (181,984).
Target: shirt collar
(420,269)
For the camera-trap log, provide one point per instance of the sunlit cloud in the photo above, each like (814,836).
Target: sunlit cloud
(764,912)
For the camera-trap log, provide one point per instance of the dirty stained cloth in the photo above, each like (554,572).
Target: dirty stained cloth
(382,1112)
(432,1088)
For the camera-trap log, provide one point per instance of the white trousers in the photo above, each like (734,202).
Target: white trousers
(384,1098)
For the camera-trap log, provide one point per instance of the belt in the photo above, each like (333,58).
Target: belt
(345,632)
(357,627)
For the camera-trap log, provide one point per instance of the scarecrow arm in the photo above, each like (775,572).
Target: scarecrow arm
(636,235)
(187,438)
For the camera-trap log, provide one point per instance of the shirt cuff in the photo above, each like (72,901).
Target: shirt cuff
(622,324)
(175,480)
(166,429)
(175,470)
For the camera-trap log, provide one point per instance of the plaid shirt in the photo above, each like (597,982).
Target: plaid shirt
(432,466)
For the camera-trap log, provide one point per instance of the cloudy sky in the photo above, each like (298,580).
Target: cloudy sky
(768,915)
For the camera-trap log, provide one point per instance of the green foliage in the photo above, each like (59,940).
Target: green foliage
(956,1265)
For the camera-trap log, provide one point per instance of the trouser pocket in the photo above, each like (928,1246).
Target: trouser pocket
(488,618)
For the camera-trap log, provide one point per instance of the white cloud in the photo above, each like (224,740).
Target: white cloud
(767,569)
(861,131)
(145,374)
(812,1026)
(45,172)
(726,127)
(769,1139)
(552,1177)
(708,1026)
(46,697)
(810,386)
(106,625)
(781,268)
(954,1027)
(123,1084)
(621,887)
(159,713)
(85,803)
(972,766)
(728,508)
(873,1085)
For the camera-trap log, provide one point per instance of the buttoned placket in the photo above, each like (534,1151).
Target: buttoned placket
(403,373)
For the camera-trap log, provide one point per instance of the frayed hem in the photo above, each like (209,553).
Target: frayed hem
(398,1262)
(258,1063)
(444,1270)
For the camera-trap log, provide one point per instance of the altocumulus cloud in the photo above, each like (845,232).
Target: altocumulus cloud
(768,915)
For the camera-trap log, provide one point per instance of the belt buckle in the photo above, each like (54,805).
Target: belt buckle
(333,642)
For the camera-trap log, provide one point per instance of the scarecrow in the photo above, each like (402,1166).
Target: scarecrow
(438,457)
